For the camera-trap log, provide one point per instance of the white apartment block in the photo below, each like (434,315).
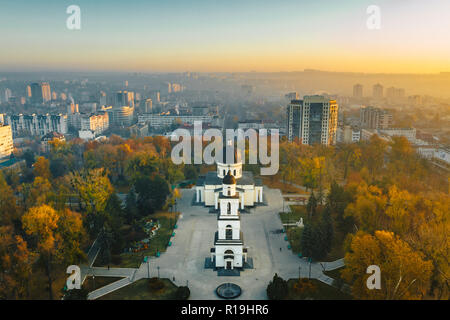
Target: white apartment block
(97,123)
(37,125)
(161,120)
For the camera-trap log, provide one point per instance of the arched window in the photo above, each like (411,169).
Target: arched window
(234,172)
(229,235)
(229,207)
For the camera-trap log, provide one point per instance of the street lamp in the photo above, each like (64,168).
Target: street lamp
(309,268)
(158,270)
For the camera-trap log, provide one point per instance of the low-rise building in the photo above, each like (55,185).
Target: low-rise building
(49,137)
(348,134)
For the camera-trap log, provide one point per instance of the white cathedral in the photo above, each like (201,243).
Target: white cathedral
(249,190)
(229,189)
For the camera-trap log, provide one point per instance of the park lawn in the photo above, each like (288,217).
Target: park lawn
(337,251)
(88,284)
(335,274)
(158,243)
(294,233)
(140,290)
(322,292)
(296,213)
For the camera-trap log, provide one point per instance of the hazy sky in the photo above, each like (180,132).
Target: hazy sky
(226,35)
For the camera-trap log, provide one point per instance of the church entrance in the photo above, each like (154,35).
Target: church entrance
(229,259)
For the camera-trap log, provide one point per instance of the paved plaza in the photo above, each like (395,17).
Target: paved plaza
(185,259)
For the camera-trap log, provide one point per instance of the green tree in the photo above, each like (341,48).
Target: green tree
(277,288)
(311,206)
(131,209)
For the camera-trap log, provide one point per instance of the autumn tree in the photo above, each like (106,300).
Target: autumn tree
(404,272)
(57,235)
(368,210)
(15,266)
(9,211)
(42,168)
(94,189)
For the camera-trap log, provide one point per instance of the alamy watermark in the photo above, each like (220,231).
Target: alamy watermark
(213,152)
(374,20)
(74,280)
(73,22)
(374,280)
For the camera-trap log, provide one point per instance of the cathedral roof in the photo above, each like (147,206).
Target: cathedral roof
(229,178)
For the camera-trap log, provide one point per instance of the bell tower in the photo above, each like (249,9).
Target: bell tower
(229,242)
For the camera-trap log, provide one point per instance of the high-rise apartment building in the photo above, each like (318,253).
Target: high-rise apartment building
(6,141)
(148,108)
(294,111)
(313,120)
(393,92)
(40,92)
(291,96)
(125,98)
(121,116)
(375,118)
(358,90)
(378,91)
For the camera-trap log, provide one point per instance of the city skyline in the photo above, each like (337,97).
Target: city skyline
(209,36)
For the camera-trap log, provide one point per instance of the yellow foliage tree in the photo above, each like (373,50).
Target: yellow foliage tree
(404,272)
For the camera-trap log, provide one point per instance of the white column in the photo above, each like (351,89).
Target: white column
(198,197)
(261,195)
(242,201)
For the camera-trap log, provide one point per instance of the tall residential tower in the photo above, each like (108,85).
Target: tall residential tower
(313,120)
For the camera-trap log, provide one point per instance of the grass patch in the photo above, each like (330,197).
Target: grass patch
(312,289)
(158,243)
(294,233)
(296,213)
(141,290)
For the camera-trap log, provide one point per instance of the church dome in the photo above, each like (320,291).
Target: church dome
(229,178)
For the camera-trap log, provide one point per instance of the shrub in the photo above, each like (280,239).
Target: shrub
(155,284)
(76,294)
(277,288)
(304,288)
(116,259)
(182,293)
